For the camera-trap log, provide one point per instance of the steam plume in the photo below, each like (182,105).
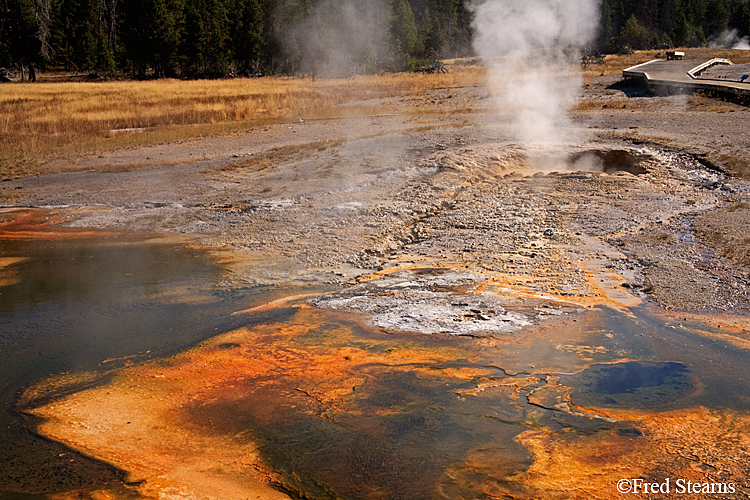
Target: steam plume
(730,39)
(531,47)
(339,37)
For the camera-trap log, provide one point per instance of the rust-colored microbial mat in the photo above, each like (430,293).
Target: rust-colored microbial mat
(316,404)
(611,398)
(40,224)
(74,301)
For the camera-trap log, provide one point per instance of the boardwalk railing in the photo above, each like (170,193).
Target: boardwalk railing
(696,72)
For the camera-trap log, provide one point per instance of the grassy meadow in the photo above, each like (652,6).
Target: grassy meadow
(42,122)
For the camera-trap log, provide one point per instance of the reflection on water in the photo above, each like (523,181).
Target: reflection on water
(396,442)
(92,304)
(632,384)
(408,418)
(340,410)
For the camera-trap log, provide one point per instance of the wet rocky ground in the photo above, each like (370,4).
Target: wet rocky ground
(444,185)
(435,220)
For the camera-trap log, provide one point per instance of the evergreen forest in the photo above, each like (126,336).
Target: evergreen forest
(217,38)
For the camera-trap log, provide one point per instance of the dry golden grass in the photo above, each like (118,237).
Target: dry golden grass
(614,63)
(52,121)
(738,166)
(616,103)
(45,121)
(702,103)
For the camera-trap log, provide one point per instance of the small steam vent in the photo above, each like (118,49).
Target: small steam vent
(609,162)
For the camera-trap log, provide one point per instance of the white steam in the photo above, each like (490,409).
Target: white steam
(339,37)
(730,39)
(532,48)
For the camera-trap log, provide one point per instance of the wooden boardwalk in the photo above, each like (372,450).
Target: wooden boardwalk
(717,76)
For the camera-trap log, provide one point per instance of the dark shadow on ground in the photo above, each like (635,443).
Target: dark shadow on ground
(630,88)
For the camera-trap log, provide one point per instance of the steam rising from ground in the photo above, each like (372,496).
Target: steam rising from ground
(730,39)
(532,48)
(339,37)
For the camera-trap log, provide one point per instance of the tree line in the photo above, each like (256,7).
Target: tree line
(213,38)
(205,38)
(662,24)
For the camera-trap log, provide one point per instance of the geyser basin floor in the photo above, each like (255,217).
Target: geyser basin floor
(449,214)
(326,407)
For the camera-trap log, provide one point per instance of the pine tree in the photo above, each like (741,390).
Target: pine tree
(248,33)
(683,32)
(5,57)
(405,41)
(136,35)
(201,37)
(21,30)
(432,35)
(606,25)
(717,19)
(633,34)
(165,36)
(151,32)
(75,29)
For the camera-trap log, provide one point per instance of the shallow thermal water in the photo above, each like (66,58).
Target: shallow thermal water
(400,416)
(446,423)
(95,303)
